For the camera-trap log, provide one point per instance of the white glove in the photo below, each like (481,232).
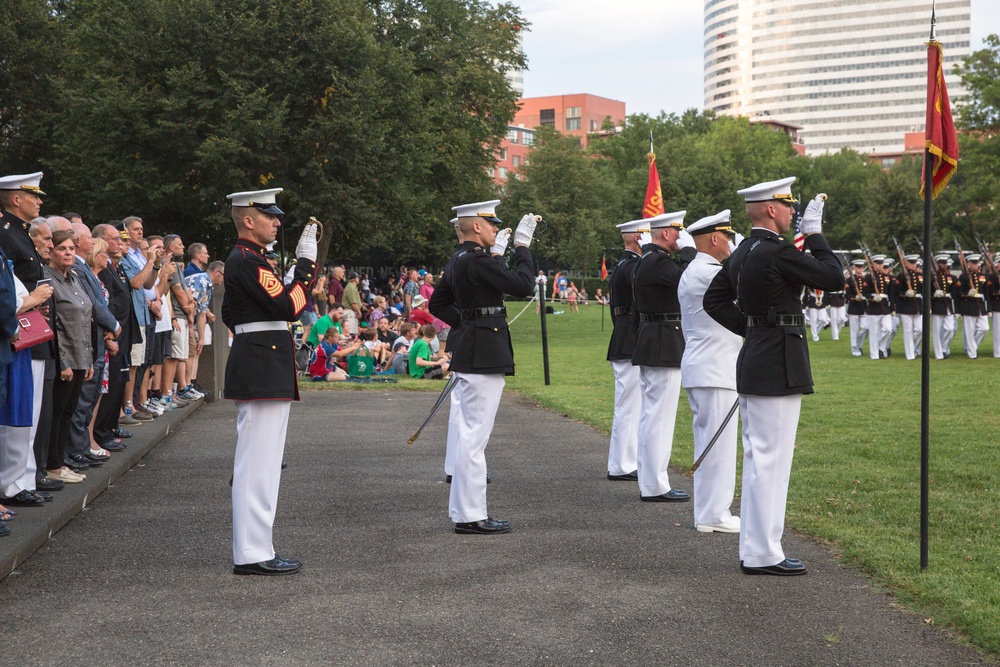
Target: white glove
(525,230)
(307,247)
(910,294)
(973,293)
(500,245)
(938,294)
(645,238)
(684,240)
(812,219)
(735,243)
(877,297)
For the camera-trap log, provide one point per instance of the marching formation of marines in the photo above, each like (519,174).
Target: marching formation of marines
(881,304)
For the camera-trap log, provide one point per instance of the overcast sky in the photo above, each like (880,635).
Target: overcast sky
(646,53)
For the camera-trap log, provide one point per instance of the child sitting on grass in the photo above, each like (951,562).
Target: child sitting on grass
(323,364)
(422,363)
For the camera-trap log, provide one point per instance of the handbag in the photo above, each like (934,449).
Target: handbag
(34,330)
(361,363)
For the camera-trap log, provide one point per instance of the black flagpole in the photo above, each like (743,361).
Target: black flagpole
(925,359)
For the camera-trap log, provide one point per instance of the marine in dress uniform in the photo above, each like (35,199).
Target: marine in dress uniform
(877,288)
(260,373)
(993,282)
(970,295)
(623,448)
(708,375)
(659,346)
(857,306)
(477,282)
(942,307)
(22,201)
(756,295)
(908,289)
(816,313)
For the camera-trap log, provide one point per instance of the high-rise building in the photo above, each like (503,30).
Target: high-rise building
(851,73)
(516,76)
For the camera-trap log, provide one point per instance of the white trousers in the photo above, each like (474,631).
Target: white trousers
(454,411)
(661,387)
(859,330)
(974,330)
(715,479)
(942,333)
(624,446)
(769,425)
(478,398)
(838,318)
(260,446)
(879,334)
(17,454)
(995,316)
(913,329)
(818,318)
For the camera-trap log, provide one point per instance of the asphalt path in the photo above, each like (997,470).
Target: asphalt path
(589,575)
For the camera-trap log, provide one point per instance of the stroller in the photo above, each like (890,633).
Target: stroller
(303,350)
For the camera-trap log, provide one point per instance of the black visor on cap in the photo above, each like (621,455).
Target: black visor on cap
(268,208)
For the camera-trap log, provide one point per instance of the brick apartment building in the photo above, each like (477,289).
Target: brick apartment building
(573,115)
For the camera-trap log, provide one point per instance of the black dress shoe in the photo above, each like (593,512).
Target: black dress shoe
(46,484)
(122,433)
(789,567)
(44,495)
(114,446)
(24,499)
(91,457)
(487,526)
(273,567)
(83,462)
(627,477)
(671,496)
(284,464)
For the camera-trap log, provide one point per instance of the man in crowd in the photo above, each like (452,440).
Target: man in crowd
(756,295)
(200,286)
(333,318)
(411,289)
(176,356)
(659,346)
(708,375)
(78,446)
(141,268)
(352,304)
(198,253)
(260,373)
(622,450)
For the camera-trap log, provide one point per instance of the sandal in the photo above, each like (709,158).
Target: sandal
(100,451)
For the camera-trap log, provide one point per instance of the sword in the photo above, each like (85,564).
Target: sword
(725,422)
(445,393)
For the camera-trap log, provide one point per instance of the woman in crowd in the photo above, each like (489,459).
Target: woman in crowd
(98,261)
(75,366)
(573,294)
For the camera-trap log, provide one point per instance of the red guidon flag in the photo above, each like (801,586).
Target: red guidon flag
(654,196)
(604,269)
(939,132)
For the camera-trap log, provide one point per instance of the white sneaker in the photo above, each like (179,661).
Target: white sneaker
(730,526)
(153,408)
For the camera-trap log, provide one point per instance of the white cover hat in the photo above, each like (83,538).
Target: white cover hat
(780,189)
(675,219)
(483,209)
(454,221)
(720,222)
(633,226)
(26,182)
(262,200)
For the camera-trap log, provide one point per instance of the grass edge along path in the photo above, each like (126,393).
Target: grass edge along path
(855,477)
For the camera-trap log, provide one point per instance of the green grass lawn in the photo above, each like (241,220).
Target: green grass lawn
(856,475)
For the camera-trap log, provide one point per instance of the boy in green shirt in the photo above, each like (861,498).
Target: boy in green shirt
(422,364)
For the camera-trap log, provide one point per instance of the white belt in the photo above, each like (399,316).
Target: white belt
(252,327)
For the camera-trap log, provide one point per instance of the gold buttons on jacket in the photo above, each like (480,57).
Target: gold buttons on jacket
(274,347)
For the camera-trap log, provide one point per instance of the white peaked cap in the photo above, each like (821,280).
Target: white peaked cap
(633,226)
(26,182)
(780,189)
(720,222)
(259,199)
(675,219)
(483,209)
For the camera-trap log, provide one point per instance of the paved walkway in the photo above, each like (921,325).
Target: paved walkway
(590,575)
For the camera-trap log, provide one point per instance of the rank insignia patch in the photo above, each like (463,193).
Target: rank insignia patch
(269,282)
(298,295)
